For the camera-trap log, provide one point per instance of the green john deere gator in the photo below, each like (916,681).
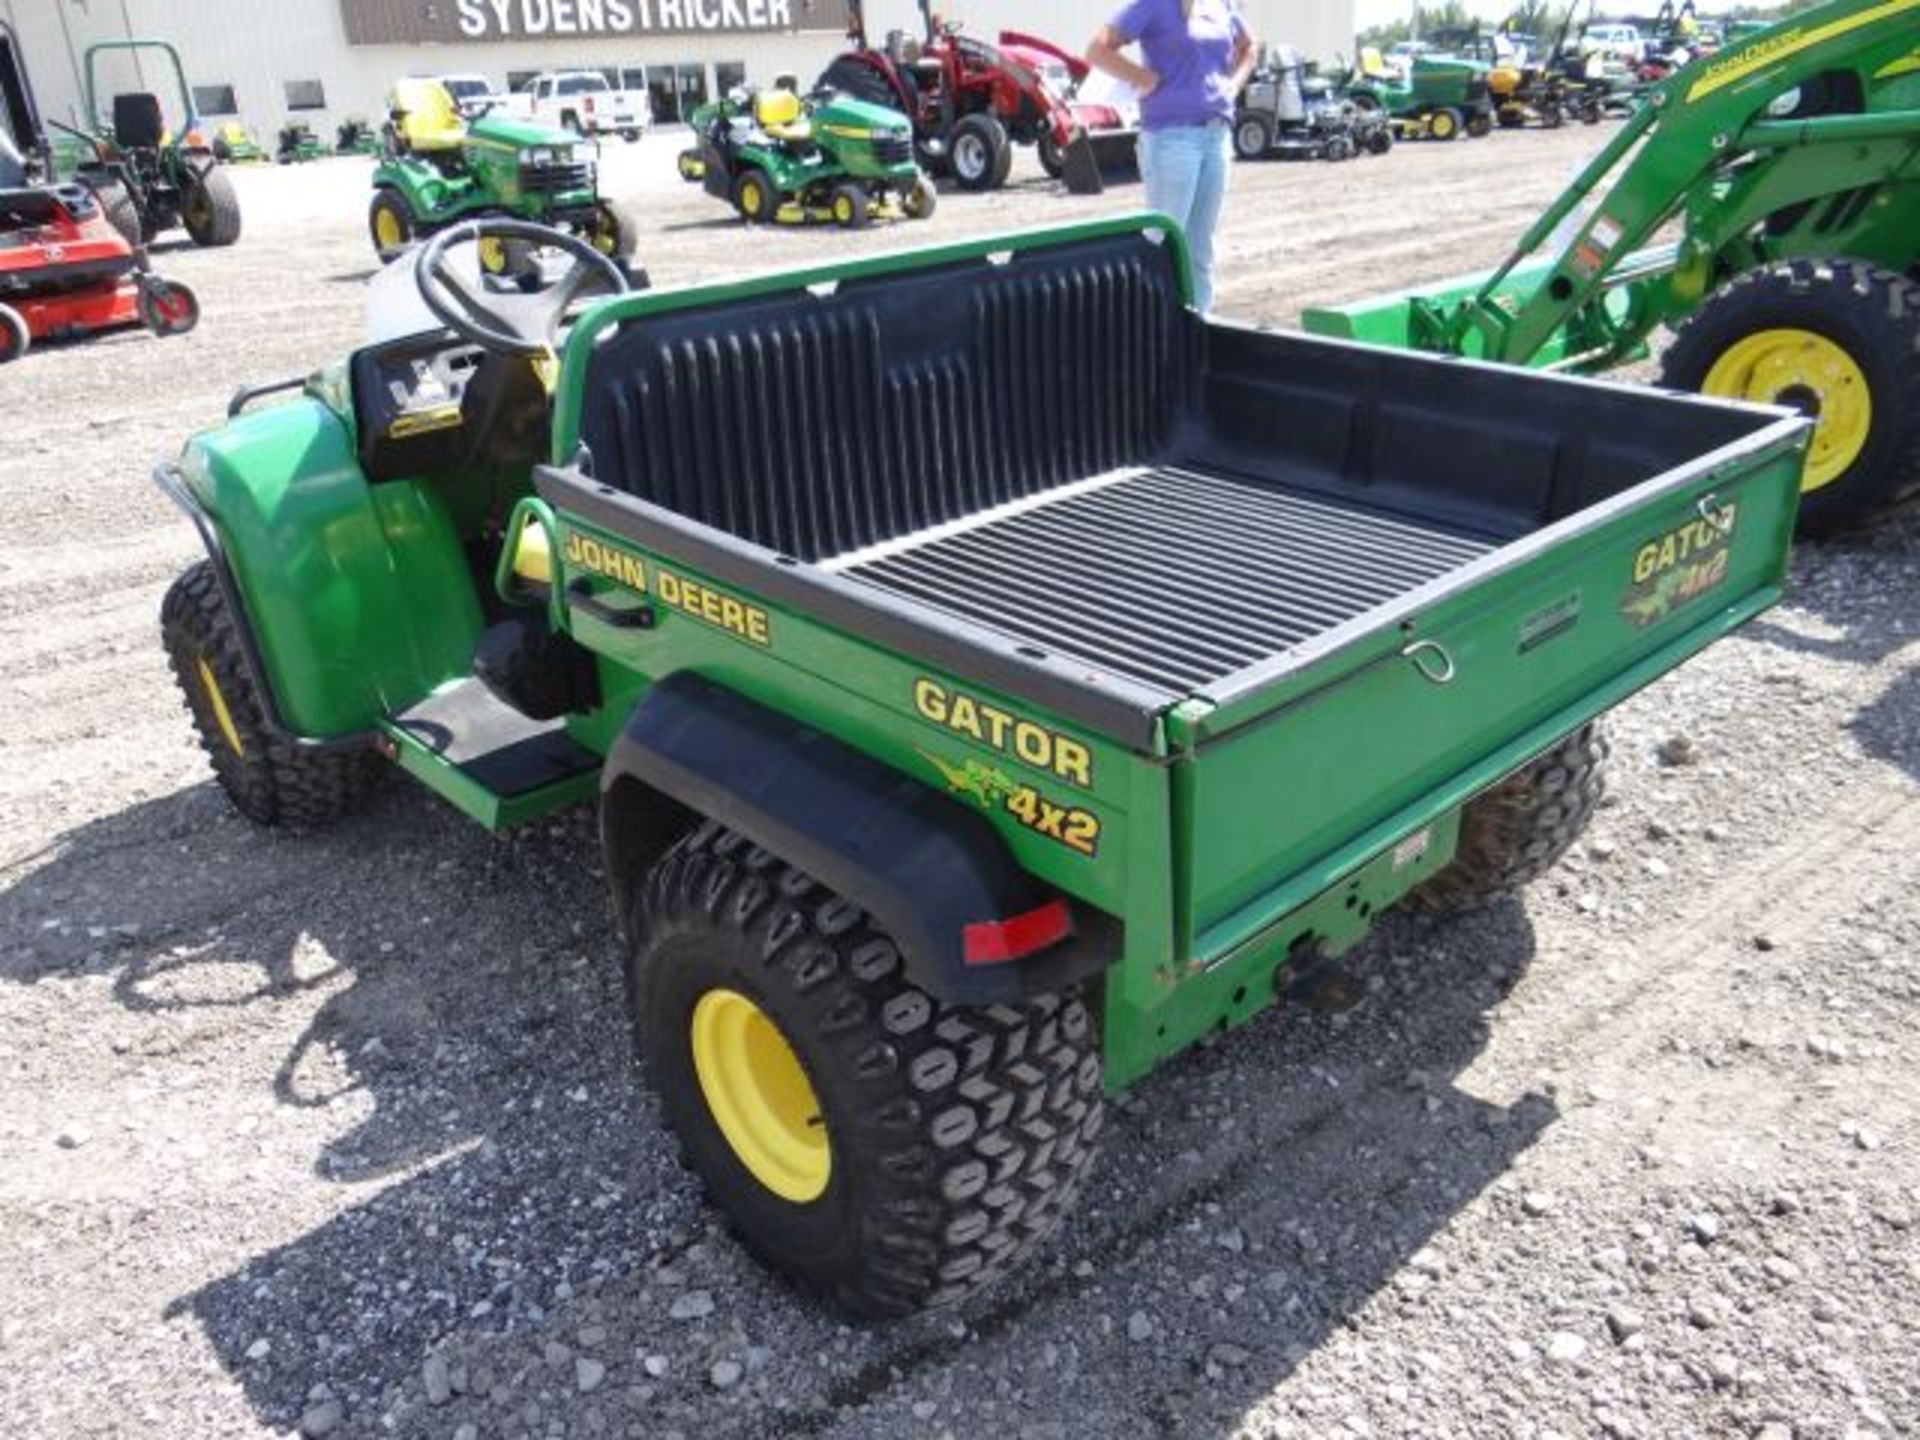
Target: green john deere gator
(994,677)
(1789,165)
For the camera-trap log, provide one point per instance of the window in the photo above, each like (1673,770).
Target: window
(517,79)
(582,84)
(215,100)
(728,76)
(634,78)
(306,95)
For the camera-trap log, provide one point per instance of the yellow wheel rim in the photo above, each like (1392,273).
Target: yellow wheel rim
(1442,125)
(493,255)
(753,199)
(386,229)
(221,714)
(760,1096)
(1809,372)
(843,210)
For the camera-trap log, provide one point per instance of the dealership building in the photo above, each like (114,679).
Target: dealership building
(264,62)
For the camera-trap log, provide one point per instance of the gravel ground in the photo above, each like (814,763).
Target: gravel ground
(341,1135)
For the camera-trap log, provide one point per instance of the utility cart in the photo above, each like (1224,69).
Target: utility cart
(993,676)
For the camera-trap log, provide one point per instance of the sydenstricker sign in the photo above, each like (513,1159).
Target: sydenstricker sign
(408,22)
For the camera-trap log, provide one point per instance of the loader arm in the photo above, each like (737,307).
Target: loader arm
(1702,148)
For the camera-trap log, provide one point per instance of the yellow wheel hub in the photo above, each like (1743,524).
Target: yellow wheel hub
(221,714)
(386,229)
(493,255)
(760,1096)
(1809,372)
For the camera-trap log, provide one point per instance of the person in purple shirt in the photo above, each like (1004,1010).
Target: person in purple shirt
(1198,54)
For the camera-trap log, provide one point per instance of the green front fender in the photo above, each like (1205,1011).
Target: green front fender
(359,596)
(428,192)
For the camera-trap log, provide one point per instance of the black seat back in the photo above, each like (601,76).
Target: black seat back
(137,123)
(815,425)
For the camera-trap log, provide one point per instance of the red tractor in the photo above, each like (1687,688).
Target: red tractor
(971,102)
(64,269)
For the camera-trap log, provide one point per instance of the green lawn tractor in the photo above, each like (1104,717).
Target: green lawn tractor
(298,145)
(994,677)
(1789,166)
(1438,97)
(234,144)
(354,136)
(152,173)
(776,157)
(440,169)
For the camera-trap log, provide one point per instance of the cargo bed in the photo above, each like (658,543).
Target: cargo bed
(1176,576)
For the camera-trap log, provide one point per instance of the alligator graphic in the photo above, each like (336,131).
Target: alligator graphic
(985,785)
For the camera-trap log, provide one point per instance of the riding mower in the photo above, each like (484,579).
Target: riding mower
(151,178)
(775,157)
(355,136)
(439,169)
(234,144)
(1436,98)
(1784,171)
(298,144)
(64,269)
(970,103)
(1286,110)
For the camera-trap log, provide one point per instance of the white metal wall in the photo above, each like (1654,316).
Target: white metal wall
(257,46)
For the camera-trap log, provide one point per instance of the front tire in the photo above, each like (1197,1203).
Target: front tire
(390,221)
(850,206)
(269,780)
(117,203)
(614,231)
(1518,830)
(166,307)
(754,197)
(1444,124)
(15,337)
(921,200)
(881,1149)
(212,210)
(1837,339)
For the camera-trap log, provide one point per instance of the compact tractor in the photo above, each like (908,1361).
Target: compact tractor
(994,677)
(151,176)
(1436,97)
(774,156)
(64,269)
(1789,165)
(1286,109)
(440,169)
(970,103)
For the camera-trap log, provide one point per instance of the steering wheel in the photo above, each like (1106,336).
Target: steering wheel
(511,322)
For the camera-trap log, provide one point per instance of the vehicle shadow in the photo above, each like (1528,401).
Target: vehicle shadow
(461,1070)
(1857,594)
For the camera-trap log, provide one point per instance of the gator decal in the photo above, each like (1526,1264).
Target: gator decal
(602,559)
(1771,49)
(1679,566)
(990,789)
(986,724)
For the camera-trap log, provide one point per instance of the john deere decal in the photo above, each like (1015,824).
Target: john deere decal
(1679,566)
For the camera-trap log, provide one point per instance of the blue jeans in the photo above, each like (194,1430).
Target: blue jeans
(1185,169)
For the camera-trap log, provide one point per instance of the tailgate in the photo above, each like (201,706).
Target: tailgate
(1299,770)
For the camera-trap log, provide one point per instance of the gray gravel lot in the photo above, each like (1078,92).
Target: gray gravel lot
(342,1134)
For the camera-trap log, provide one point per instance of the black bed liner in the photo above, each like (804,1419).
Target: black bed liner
(1173,575)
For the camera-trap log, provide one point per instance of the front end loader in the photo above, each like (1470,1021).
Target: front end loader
(1789,166)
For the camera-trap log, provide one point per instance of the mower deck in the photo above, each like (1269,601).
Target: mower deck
(1175,576)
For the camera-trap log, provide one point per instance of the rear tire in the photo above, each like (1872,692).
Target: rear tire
(1444,124)
(270,781)
(981,153)
(1518,830)
(1252,137)
(15,338)
(1479,125)
(121,212)
(954,1138)
(211,212)
(1868,445)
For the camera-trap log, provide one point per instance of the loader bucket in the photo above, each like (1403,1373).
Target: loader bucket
(1117,152)
(1082,172)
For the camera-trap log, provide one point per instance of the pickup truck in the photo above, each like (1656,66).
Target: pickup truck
(994,677)
(581,101)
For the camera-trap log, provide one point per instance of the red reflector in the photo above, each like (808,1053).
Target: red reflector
(994,942)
